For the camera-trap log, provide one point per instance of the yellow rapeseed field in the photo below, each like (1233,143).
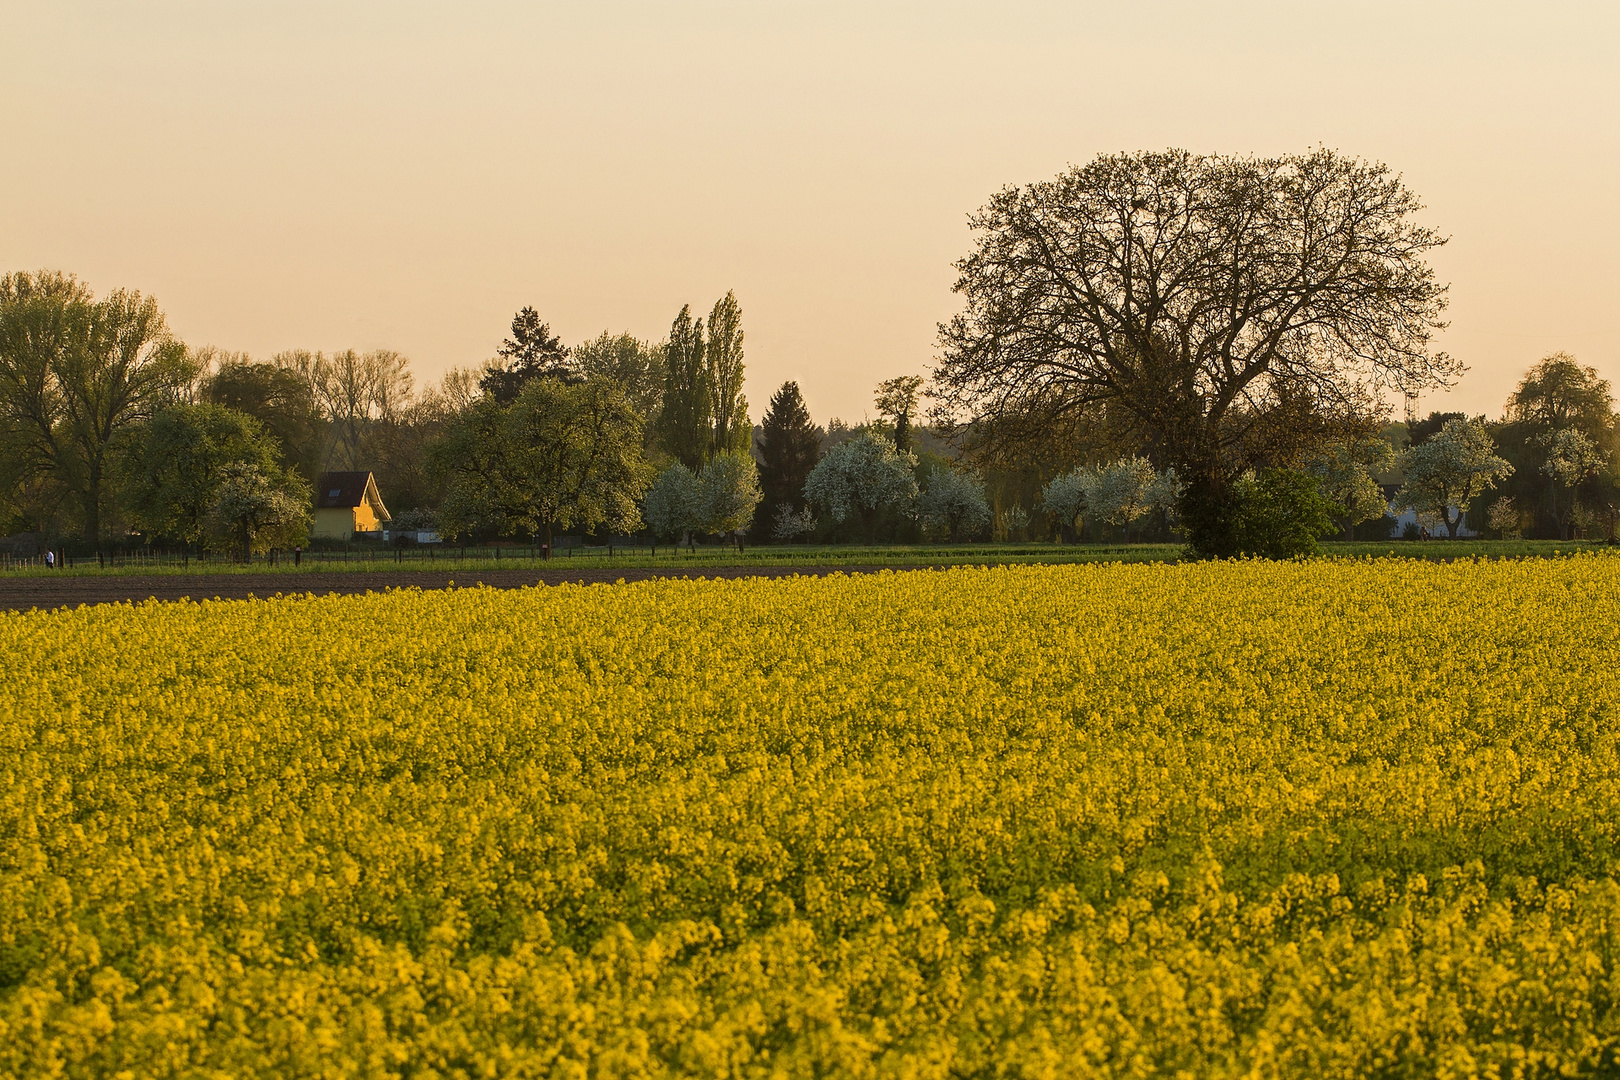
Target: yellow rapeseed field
(1322,819)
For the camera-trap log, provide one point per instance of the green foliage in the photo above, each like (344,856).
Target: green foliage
(75,373)
(532,352)
(172,466)
(280,398)
(562,454)
(723,372)
(686,419)
(1421,431)
(728,492)
(628,361)
(897,404)
(1280,514)
(789,444)
(1559,394)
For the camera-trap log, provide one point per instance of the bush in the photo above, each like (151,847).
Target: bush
(1280,514)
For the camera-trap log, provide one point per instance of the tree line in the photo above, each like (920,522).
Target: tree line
(115,431)
(1151,346)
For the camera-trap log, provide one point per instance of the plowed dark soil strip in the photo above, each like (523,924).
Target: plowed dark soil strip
(23,593)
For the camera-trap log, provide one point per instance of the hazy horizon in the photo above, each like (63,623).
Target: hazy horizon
(407,176)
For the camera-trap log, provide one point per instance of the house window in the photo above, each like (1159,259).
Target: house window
(334,493)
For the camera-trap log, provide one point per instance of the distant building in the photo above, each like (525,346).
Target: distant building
(347,503)
(1390,485)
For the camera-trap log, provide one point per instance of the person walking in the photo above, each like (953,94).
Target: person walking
(50,560)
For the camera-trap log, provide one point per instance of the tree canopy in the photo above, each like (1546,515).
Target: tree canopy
(723,371)
(75,373)
(280,399)
(1200,293)
(562,454)
(255,509)
(1447,472)
(897,403)
(672,506)
(861,478)
(531,352)
(628,361)
(173,466)
(686,420)
(789,444)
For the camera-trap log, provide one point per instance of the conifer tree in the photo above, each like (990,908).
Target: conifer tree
(532,352)
(789,444)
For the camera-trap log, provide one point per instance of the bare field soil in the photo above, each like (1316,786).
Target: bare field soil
(46,592)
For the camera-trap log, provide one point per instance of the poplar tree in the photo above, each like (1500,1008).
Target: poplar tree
(686,421)
(723,370)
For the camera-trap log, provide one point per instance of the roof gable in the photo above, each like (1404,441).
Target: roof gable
(346,491)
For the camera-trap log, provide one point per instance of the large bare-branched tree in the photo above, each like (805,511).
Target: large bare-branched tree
(1200,293)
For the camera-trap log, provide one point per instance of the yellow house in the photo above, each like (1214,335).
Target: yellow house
(347,503)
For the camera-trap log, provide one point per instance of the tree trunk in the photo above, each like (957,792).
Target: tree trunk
(92,507)
(1208,517)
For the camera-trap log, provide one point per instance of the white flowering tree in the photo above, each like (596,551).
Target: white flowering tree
(670,506)
(1572,456)
(790,524)
(1119,493)
(953,506)
(1065,497)
(728,492)
(1346,474)
(862,477)
(1445,474)
(255,509)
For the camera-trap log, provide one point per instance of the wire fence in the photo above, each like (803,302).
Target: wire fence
(419,556)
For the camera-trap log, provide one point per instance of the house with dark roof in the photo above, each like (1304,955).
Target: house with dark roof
(347,503)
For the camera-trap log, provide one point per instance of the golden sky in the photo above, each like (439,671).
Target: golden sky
(406,175)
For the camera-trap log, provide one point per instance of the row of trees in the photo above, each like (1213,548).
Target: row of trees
(102,408)
(112,426)
(1148,342)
